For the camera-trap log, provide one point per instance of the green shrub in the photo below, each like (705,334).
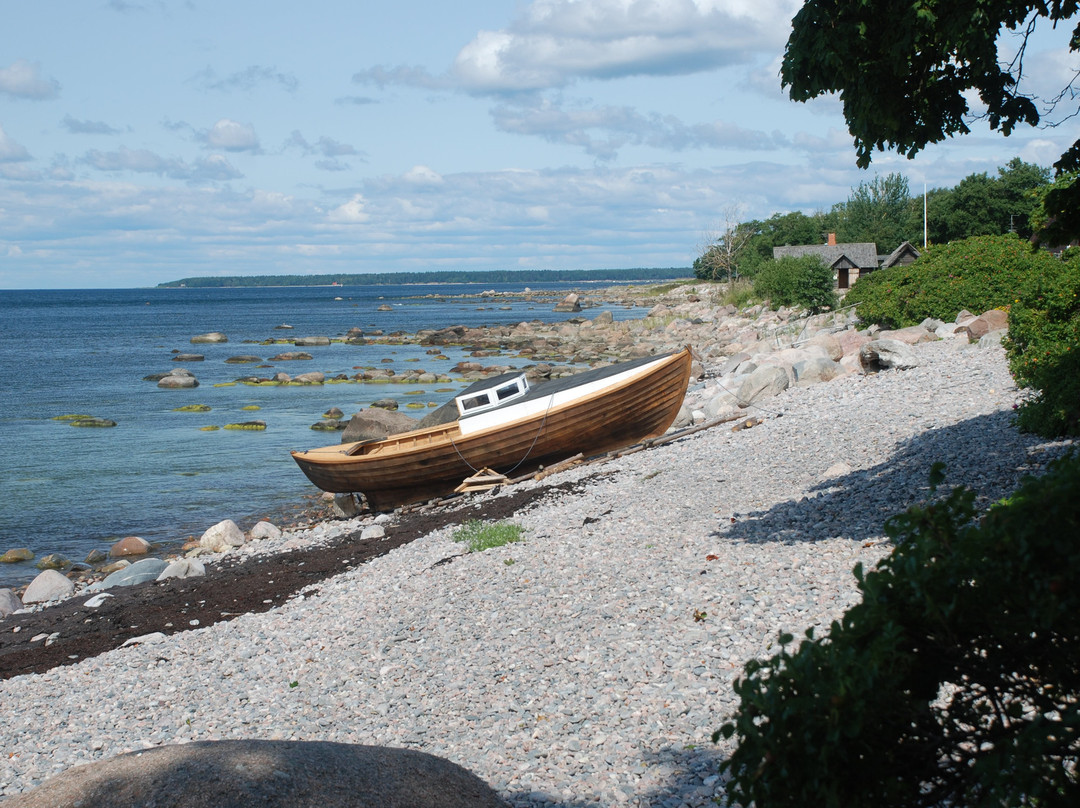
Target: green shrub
(479,536)
(956,680)
(804,281)
(738,293)
(977,274)
(1044,348)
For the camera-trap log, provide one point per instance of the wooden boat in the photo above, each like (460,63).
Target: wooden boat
(509,426)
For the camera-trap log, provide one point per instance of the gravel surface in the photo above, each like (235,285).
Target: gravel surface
(590,663)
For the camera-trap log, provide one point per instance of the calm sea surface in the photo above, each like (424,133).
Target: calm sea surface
(68,490)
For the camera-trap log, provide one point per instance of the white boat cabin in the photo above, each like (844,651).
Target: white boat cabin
(483,400)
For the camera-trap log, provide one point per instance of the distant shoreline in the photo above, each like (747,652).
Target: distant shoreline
(449,277)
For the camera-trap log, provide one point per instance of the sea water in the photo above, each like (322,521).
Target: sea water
(157,474)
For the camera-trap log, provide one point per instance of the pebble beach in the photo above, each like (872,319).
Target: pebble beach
(590,663)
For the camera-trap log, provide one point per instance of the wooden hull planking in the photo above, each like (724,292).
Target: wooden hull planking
(415,466)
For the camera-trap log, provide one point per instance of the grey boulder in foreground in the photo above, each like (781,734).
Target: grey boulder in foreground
(265,774)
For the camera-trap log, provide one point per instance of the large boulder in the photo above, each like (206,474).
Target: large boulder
(212,337)
(267,774)
(138,573)
(291,356)
(179,379)
(9,602)
(880,354)
(816,369)
(16,554)
(829,343)
(979,327)
(182,568)
(571,303)
(49,585)
(765,382)
(264,530)
(223,536)
(374,424)
(310,342)
(129,546)
(912,335)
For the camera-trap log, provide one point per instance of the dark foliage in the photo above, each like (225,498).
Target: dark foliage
(955,682)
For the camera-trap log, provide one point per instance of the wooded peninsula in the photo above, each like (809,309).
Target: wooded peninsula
(437,276)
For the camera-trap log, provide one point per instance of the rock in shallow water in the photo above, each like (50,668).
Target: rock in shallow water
(212,337)
(129,546)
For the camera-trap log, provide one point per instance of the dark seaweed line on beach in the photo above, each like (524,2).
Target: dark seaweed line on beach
(228,590)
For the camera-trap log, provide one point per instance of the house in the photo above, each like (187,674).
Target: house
(852,260)
(903,255)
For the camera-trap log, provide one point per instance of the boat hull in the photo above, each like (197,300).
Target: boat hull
(415,466)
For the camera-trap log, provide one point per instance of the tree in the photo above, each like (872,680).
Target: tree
(779,230)
(879,211)
(904,71)
(981,205)
(719,259)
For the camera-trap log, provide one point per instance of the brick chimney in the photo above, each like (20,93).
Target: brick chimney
(832,240)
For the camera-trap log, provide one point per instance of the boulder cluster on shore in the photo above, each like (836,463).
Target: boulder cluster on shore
(589,663)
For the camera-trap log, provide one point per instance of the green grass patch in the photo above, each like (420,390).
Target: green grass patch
(479,536)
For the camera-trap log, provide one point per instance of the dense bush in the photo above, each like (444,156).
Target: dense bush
(976,274)
(803,281)
(1044,348)
(956,680)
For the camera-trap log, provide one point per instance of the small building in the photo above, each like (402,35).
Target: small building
(851,261)
(903,255)
(848,261)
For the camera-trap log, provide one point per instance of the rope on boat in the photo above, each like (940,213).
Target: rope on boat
(536,437)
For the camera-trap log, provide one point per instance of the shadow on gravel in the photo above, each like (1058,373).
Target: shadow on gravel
(982,453)
(690,783)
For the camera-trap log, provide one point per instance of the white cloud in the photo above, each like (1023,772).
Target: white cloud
(22,79)
(143,161)
(555,42)
(246,80)
(10,151)
(602,130)
(77,127)
(232,136)
(352,212)
(422,175)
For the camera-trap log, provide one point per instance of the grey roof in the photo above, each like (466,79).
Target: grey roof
(862,254)
(895,255)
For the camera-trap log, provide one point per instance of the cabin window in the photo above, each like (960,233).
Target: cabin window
(507,391)
(488,399)
(474,402)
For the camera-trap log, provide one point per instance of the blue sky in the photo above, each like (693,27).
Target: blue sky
(148,140)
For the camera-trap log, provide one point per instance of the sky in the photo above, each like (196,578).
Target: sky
(143,141)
